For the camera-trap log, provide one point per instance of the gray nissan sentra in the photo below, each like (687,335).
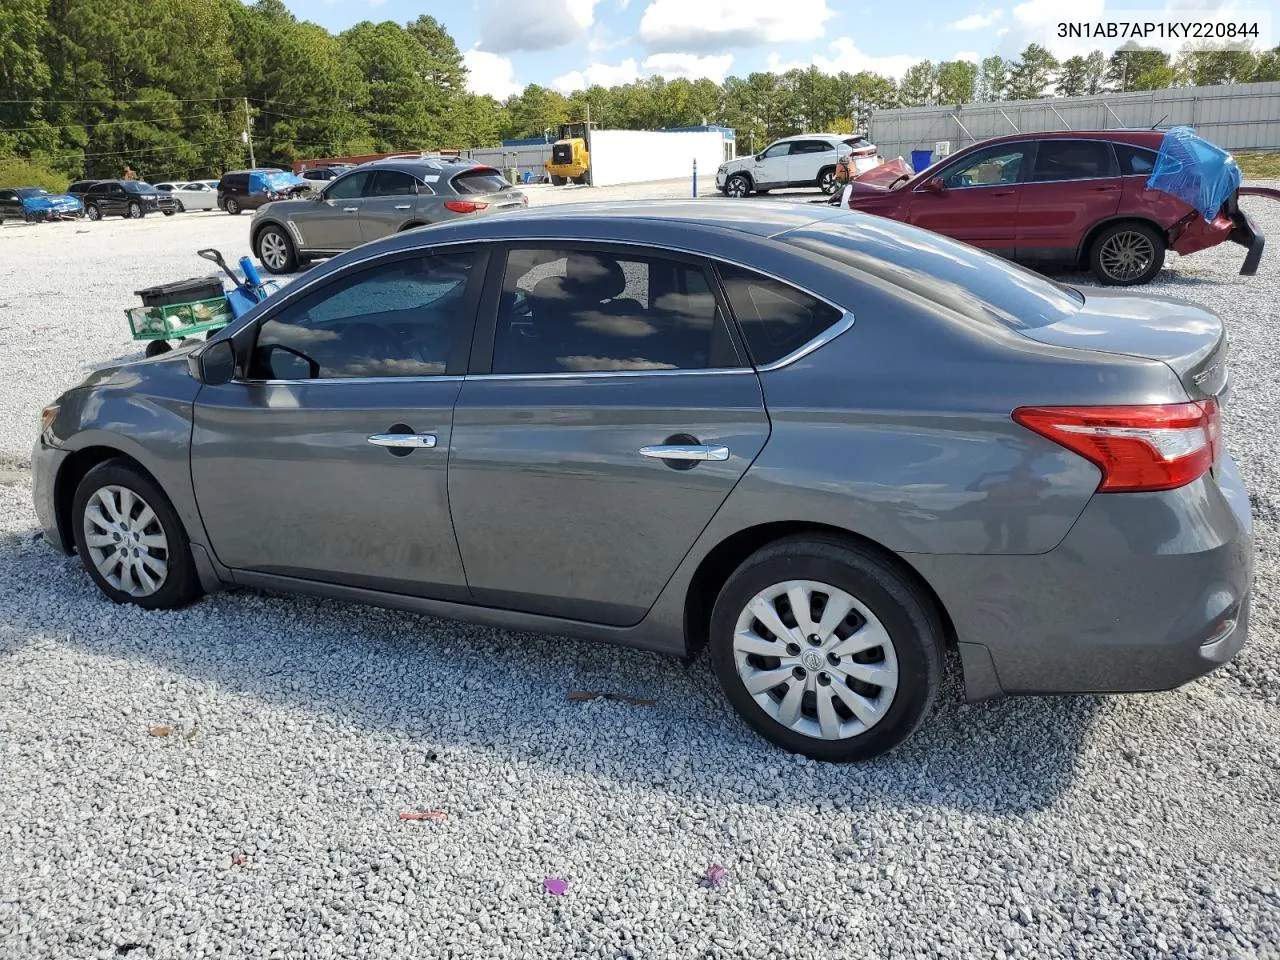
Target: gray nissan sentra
(826,445)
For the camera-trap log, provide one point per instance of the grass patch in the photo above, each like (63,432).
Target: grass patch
(1259,166)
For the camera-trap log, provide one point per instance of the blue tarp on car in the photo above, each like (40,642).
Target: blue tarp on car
(273,182)
(1195,171)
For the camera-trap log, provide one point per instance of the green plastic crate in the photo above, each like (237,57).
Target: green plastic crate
(177,320)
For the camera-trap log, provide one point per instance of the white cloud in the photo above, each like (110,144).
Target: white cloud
(976,21)
(775,64)
(598,74)
(488,73)
(846,56)
(716,25)
(968,55)
(506,27)
(690,66)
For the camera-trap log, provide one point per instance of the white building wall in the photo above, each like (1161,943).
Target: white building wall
(635,156)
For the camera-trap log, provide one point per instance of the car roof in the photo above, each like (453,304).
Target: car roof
(1143,138)
(423,165)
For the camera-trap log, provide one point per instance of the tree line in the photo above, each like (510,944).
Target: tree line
(168,88)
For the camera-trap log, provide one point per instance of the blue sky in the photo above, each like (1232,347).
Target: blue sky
(566,44)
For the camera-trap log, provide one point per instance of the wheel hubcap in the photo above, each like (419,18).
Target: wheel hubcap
(1127,255)
(737,188)
(126,542)
(273,250)
(815,659)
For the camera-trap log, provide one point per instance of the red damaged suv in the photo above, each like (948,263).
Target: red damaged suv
(1071,198)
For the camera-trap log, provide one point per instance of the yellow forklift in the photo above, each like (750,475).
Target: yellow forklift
(570,154)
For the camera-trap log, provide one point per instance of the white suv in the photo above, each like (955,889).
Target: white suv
(807,160)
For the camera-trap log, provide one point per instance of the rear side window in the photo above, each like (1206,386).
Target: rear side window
(479,181)
(978,285)
(810,146)
(392,183)
(776,319)
(1072,160)
(1134,160)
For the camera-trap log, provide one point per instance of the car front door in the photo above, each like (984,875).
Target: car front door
(10,205)
(976,198)
(1074,184)
(769,169)
(608,414)
(389,201)
(326,457)
(334,221)
(807,158)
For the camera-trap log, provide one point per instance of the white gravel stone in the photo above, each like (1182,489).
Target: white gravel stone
(1079,827)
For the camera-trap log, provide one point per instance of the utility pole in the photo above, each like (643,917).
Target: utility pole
(248,134)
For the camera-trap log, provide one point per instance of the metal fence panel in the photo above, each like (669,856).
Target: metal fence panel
(1244,116)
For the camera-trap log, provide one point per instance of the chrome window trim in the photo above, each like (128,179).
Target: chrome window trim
(300,288)
(608,374)
(443,378)
(1112,143)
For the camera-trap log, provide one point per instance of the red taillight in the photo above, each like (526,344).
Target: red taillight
(464,206)
(1156,447)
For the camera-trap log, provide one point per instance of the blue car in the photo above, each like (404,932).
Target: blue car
(33,203)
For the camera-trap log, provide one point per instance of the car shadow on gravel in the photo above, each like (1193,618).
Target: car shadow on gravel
(455,686)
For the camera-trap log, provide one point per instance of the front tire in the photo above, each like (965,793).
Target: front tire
(276,251)
(737,186)
(181,207)
(1126,254)
(847,673)
(130,539)
(558,181)
(232,206)
(827,181)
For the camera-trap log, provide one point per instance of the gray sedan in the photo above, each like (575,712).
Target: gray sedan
(826,446)
(373,201)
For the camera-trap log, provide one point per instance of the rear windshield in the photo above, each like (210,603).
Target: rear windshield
(480,181)
(979,285)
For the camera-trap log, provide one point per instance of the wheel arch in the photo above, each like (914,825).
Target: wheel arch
(722,560)
(1086,244)
(257,229)
(744,174)
(72,470)
(412,225)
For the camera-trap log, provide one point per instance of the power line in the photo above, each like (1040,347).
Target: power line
(141,150)
(112,123)
(159,103)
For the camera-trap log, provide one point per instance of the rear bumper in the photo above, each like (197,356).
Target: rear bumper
(1147,592)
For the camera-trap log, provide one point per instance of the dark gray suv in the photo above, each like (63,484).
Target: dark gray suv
(828,446)
(375,200)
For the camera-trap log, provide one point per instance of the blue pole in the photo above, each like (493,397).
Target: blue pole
(695,177)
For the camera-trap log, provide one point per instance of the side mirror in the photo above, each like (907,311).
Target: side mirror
(216,363)
(935,185)
(759,156)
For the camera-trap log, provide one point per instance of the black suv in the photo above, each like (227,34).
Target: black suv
(241,190)
(125,198)
(80,188)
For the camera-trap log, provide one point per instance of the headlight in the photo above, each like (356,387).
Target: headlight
(47,416)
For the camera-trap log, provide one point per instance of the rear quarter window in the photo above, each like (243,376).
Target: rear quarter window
(1134,160)
(978,285)
(776,318)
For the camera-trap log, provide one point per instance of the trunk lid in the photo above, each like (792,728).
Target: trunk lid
(1189,339)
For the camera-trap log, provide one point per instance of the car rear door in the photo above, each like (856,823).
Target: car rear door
(10,205)
(1073,185)
(333,222)
(978,202)
(608,414)
(807,158)
(388,202)
(326,457)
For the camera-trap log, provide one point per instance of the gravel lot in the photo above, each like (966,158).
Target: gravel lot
(266,824)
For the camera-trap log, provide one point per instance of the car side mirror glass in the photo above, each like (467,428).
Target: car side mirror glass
(935,185)
(217,363)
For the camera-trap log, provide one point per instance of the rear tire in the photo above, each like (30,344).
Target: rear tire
(92,212)
(557,181)
(156,347)
(275,250)
(140,553)
(852,688)
(581,181)
(1126,254)
(181,208)
(232,206)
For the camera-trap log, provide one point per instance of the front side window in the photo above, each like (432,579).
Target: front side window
(396,319)
(1072,160)
(776,318)
(777,150)
(577,311)
(990,167)
(347,188)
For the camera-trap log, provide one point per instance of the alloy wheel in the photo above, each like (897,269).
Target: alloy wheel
(736,187)
(816,659)
(1126,255)
(273,249)
(126,541)
(135,211)
(828,183)
(93,213)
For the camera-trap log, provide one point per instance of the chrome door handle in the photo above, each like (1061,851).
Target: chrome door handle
(685,451)
(407,441)
(402,206)
(350,209)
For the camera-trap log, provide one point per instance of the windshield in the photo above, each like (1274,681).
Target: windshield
(26,192)
(138,186)
(979,285)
